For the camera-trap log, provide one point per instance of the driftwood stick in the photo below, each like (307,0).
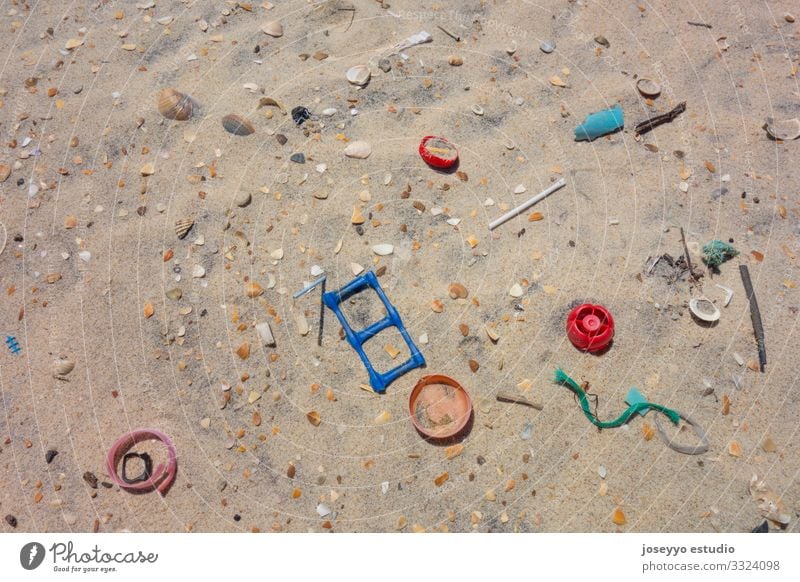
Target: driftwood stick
(505,397)
(755,315)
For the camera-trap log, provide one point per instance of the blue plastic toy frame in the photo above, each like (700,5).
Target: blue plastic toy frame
(356,339)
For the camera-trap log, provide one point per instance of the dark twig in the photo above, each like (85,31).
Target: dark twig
(688,258)
(321,314)
(450,34)
(755,315)
(352,12)
(657,120)
(504,397)
(703,24)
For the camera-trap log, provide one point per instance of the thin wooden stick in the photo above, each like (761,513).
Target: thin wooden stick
(505,397)
(755,315)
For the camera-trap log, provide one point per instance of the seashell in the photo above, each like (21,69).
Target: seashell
(242,198)
(198,272)
(357,217)
(253,289)
(455,61)
(356,268)
(358,149)
(383,249)
(358,75)
(457,291)
(173,104)
(302,324)
(547,46)
(62,367)
(785,130)
(329,112)
(183,226)
(265,333)
(516,290)
(703,309)
(270,102)
(648,88)
(237,125)
(477,109)
(273,28)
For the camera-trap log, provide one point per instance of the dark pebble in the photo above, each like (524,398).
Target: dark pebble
(11,520)
(360,230)
(385,65)
(21,182)
(298,158)
(107,485)
(50,455)
(257,49)
(237,517)
(90,478)
(481,460)
(282,139)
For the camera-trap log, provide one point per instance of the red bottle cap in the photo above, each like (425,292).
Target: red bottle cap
(438,152)
(590,327)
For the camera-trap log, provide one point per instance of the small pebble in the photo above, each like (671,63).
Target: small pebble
(298,158)
(547,47)
(11,520)
(50,455)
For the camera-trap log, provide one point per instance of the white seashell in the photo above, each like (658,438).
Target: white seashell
(358,149)
(358,75)
(302,324)
(703,309)
(519,189)
(316,271)
(329,112)
(198,272)
(277,254)
(85,256)
(423,338)
(364,196)
(516,290)
(453,221)
(321,168)
(62,367)
(477,109)
(356,268)
(264,332)
(273,28)
(383,249)
(252,87)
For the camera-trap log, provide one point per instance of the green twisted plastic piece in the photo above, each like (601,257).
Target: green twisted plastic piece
(562,378)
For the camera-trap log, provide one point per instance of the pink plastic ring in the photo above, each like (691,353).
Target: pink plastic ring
(162,476)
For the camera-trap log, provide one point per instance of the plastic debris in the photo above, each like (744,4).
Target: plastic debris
(356,339)
(600,123)
(590,327)
(12,344)
(562,378)
(525,205)
(300,115)
(717,252)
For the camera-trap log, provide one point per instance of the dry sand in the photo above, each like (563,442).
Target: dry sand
(79,152)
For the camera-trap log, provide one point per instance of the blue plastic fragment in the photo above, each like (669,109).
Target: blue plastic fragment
(12,344)
(599,124)
(634,397)
(356,339)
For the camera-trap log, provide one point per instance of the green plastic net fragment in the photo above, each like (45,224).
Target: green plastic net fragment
(717,252)
(562,378)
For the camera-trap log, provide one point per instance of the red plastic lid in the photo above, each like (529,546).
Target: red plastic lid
(590,327)
(438,152)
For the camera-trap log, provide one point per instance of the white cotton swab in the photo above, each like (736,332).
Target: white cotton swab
(523,207)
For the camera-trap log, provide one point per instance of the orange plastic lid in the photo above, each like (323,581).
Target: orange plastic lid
(440,407)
